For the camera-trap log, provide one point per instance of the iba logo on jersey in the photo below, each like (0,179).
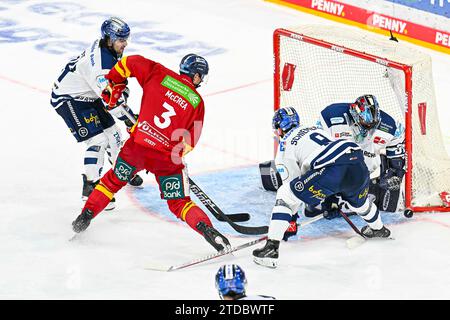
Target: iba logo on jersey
(172,187)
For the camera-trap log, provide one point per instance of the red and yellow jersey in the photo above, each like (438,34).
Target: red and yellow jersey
(172,111)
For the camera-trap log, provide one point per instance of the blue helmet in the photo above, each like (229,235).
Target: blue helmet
(192,64)
(366,113)
(285,119)
(231,280)
(115,28)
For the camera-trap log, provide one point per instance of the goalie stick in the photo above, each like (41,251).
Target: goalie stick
(218,214)
(214,209)
(155,267)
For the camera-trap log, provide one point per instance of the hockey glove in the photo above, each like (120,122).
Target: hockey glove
(391,179)
(292,229)
(331,208)
(112,93)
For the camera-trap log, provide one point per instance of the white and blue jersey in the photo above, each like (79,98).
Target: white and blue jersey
(83,78)
(306,148)
(314,167)
(388,135)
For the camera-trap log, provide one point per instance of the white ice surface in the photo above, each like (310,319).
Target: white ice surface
(41,166)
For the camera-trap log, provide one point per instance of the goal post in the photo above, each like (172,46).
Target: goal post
(315,66)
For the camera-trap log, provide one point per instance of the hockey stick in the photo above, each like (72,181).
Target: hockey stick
(205,258)
(356,241)
(222,253)
(214,209)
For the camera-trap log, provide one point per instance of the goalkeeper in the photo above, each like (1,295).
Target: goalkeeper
(380,137)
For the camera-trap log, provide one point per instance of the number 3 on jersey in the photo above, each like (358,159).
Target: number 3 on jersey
(165,117)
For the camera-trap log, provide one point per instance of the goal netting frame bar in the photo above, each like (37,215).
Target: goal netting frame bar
(408,89)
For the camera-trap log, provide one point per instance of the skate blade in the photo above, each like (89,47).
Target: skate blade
(157,267)
(266,262)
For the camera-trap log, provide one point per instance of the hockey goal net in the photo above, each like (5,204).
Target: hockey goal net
(318,65)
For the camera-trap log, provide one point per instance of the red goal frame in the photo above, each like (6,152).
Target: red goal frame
(407,70)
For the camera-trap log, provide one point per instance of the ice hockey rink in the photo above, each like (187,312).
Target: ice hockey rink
(41,168)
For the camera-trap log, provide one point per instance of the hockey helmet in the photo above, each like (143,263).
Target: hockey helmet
(366,112)
(285,119)
(115,28)
(231,280)
(192,64)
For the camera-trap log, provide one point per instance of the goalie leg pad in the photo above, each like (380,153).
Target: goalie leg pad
(270,178)
(385,200)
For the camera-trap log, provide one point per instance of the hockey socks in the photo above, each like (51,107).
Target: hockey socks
(99,199)
(192,214)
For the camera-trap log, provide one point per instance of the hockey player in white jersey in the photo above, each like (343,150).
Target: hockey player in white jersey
(76,97)
(380,137)
(314,167)
(231,283)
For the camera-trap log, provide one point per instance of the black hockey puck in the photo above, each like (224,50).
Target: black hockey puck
(408,213)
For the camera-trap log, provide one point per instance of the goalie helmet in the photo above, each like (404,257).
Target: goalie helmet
(192,64)
(285,119)
(231,281)
(366,114)
(115,28)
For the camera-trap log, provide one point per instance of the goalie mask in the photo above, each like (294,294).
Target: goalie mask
(284,120)
(365,113)
(231,281)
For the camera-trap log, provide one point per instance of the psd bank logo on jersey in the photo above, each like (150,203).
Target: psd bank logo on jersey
(172,187)
(123,170)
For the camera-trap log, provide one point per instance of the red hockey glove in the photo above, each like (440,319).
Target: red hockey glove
(112,93)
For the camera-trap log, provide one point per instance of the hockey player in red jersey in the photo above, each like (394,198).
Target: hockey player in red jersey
(169,126)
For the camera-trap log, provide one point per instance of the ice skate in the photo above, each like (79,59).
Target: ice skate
(136,181)
(268,255)
(82,221)
(214,237)
(371,233)
(88,187)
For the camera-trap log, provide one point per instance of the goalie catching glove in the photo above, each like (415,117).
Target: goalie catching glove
(112,93)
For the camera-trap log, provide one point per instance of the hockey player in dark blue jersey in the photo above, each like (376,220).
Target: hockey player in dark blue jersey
(382,140)
(76,97)
(380,137)
(314,168)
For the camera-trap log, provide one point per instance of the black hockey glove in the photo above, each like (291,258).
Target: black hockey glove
(391,179)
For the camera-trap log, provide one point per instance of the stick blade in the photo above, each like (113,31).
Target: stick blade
(158,267)
(236,217)
(355,242)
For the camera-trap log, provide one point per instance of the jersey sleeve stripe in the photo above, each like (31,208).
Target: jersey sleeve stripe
(125,67)
(122,69)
